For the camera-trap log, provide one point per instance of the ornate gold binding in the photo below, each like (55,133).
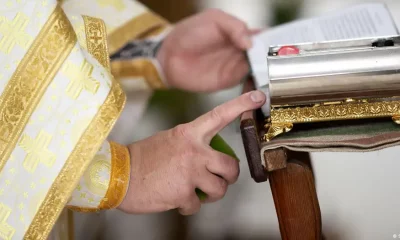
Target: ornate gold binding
(96,40)
(283,119)
(275,129)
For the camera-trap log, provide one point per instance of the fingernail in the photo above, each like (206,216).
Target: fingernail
(257,96)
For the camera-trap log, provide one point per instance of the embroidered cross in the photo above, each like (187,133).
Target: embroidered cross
(14,33)
(95,38)
(6,231)
(117,4)
(80,78)
(37,151)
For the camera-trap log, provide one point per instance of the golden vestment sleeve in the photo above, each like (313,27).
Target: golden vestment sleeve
(133,33)
(105,181)
(58,104)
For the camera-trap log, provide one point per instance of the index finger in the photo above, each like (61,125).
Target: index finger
(209,124)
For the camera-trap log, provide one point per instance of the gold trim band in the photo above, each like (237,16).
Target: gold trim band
(336,112)
(96,40)
(133,29)
(31,79)
(119,179)
(142,68)
(155,32)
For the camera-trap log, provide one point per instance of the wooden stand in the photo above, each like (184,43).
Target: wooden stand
(291,180)
(295,198)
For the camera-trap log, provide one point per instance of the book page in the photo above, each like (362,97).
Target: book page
(359,21)
(366,20)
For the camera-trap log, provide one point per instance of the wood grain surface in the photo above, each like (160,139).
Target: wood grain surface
(295,198)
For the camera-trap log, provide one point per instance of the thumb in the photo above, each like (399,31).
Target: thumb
(209,124)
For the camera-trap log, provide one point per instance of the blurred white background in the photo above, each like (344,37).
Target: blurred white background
(358,192)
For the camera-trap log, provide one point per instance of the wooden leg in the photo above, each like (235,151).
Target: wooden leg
(295,198)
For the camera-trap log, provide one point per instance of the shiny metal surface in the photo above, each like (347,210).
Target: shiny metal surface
(333,71)
(321,76)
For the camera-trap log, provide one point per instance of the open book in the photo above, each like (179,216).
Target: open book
(359,21)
